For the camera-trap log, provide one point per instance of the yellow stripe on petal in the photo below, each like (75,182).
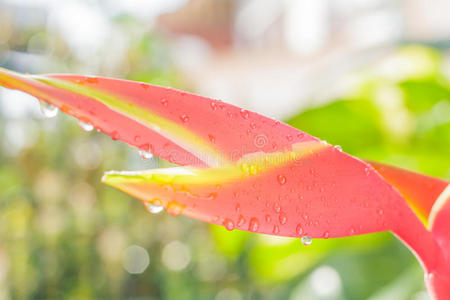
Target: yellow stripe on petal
(13,80)
(249,165)
(169,129)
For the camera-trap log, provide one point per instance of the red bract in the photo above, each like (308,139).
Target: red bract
(249,172)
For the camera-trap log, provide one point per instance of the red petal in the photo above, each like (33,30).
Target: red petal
(419,190)
(341,194)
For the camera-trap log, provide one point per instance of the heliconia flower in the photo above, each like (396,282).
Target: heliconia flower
(245,171)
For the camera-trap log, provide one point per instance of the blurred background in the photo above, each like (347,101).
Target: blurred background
(370,75)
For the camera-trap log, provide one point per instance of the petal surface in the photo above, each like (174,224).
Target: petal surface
(244,170)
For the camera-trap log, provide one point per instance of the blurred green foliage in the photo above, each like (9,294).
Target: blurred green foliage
(398,113)
(63,234)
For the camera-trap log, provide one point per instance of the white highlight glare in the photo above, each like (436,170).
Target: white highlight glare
(229,294)
(17,105)
(325,281)
(135,259)
(305,25)
(176,256)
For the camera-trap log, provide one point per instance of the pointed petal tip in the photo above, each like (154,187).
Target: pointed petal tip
(152,175)
(116,177)
(110,177)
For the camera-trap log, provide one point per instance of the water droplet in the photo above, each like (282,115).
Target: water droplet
(115,135)
(164,101)
(92,80)
(241,221)
(289,137)
(276,229)
(212,139)
(174,208)
(367,171)
(282,218)
(245,168)
(85,126)
(244,113)
(229,225)
(155,207)
(299,229)
(145,154)
(148,147)
(238,207)
(253,224)
(48,110)
(326,235)
(253,170)
(268,218)
(338,147)
(213,105)
(281,179)
(211,196)
(137,138)
(184,118)
(351,231)
(277,207)
(379,211)
(306,240)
